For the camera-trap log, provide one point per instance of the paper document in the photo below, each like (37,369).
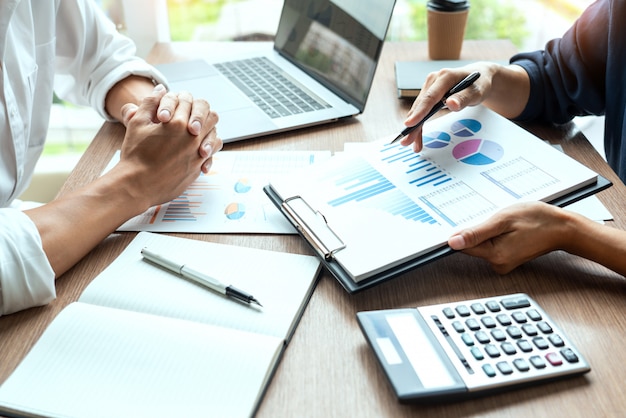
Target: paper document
(230,198)
(387,204)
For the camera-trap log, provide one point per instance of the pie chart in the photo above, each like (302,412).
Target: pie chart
(466,127)
(436,139)
(242,186)
(478,152)
(235,211)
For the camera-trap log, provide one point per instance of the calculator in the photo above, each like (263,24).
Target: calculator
(468,348)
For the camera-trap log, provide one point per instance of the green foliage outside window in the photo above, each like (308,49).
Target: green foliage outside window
(488,19)
(186,15)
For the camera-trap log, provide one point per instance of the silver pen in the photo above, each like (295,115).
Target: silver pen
(198,277)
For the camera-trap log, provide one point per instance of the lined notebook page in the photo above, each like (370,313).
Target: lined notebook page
(282,283)
(101,362)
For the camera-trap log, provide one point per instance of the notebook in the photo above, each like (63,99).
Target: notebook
(320,69)
(144,342)
(381,210)
(411,75)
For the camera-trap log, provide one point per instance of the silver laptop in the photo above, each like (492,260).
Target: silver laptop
(319,70)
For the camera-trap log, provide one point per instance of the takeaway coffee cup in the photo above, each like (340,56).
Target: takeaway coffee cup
(446,21)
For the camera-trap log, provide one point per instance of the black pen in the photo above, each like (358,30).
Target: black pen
(465,83)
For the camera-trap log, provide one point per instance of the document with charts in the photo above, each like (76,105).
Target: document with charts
(379,210)
(230,198)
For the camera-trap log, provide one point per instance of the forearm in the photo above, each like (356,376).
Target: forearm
(129,90)
(602,244)
(509,92)
(75,223)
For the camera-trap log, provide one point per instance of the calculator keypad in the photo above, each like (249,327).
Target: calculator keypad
(495,340)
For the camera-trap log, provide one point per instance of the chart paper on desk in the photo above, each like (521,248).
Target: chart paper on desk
(230,198)
(389,204)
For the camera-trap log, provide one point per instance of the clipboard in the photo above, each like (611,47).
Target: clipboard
(311,225)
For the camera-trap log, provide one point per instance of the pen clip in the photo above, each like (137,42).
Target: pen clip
(313,226)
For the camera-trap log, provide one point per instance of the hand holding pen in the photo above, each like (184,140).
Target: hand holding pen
(462,85)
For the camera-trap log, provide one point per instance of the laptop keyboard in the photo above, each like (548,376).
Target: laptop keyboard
(270,88)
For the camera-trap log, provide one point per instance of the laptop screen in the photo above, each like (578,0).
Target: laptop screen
(337,42)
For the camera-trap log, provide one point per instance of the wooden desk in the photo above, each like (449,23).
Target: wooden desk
(328,370)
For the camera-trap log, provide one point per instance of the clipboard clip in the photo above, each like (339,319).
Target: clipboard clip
(313,227)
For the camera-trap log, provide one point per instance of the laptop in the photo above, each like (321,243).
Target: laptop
(320,69)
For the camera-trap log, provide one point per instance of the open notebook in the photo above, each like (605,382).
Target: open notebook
(379,212)
(143,342)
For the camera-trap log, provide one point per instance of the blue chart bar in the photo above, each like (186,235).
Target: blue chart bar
(179,209)
(364,184)
(421,170)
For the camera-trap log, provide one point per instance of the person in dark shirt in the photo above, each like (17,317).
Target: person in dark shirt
(580,74)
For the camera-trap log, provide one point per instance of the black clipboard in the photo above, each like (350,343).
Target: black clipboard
(325,252)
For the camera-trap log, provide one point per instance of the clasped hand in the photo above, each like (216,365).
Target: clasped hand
(170,139)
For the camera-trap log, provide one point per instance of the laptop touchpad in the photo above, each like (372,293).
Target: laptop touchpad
(202,80)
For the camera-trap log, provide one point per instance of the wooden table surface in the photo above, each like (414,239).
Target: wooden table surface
(328,370)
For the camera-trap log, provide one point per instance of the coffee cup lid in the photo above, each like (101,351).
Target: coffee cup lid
(448,5)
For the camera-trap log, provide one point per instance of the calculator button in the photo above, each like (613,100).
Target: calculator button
(478,308)
(478,355)
(569,355)
(448,312)
(492,350)
(521,365)
(504,319)
(554,359)
(534,315)
(498,335)
(458,327)
(514,332)
(463,310)
(504,367)
(472,324)
(544,327)
(493,306)
(529,330)
(556,340)
(489,370)
(482,337)
(508,348)
(537,362)
(467,339)
(540,343)
(515,303)
(488,321)
(519,317)
(525,346)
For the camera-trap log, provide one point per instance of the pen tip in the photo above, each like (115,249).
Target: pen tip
(397,138)
(257,302)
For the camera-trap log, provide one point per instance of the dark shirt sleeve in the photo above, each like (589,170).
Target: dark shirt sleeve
(568,78)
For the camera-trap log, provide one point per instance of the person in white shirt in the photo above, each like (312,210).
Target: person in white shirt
(71,48)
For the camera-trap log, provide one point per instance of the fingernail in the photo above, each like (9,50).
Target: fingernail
(164,113)
(457,242)
(208,148)
(206,167)
(158,88)
(196,126)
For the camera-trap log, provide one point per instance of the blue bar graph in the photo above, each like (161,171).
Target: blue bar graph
(421,171)
(365,185)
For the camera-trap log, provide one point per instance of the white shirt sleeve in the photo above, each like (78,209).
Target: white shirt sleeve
(92,56)
(26,277)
